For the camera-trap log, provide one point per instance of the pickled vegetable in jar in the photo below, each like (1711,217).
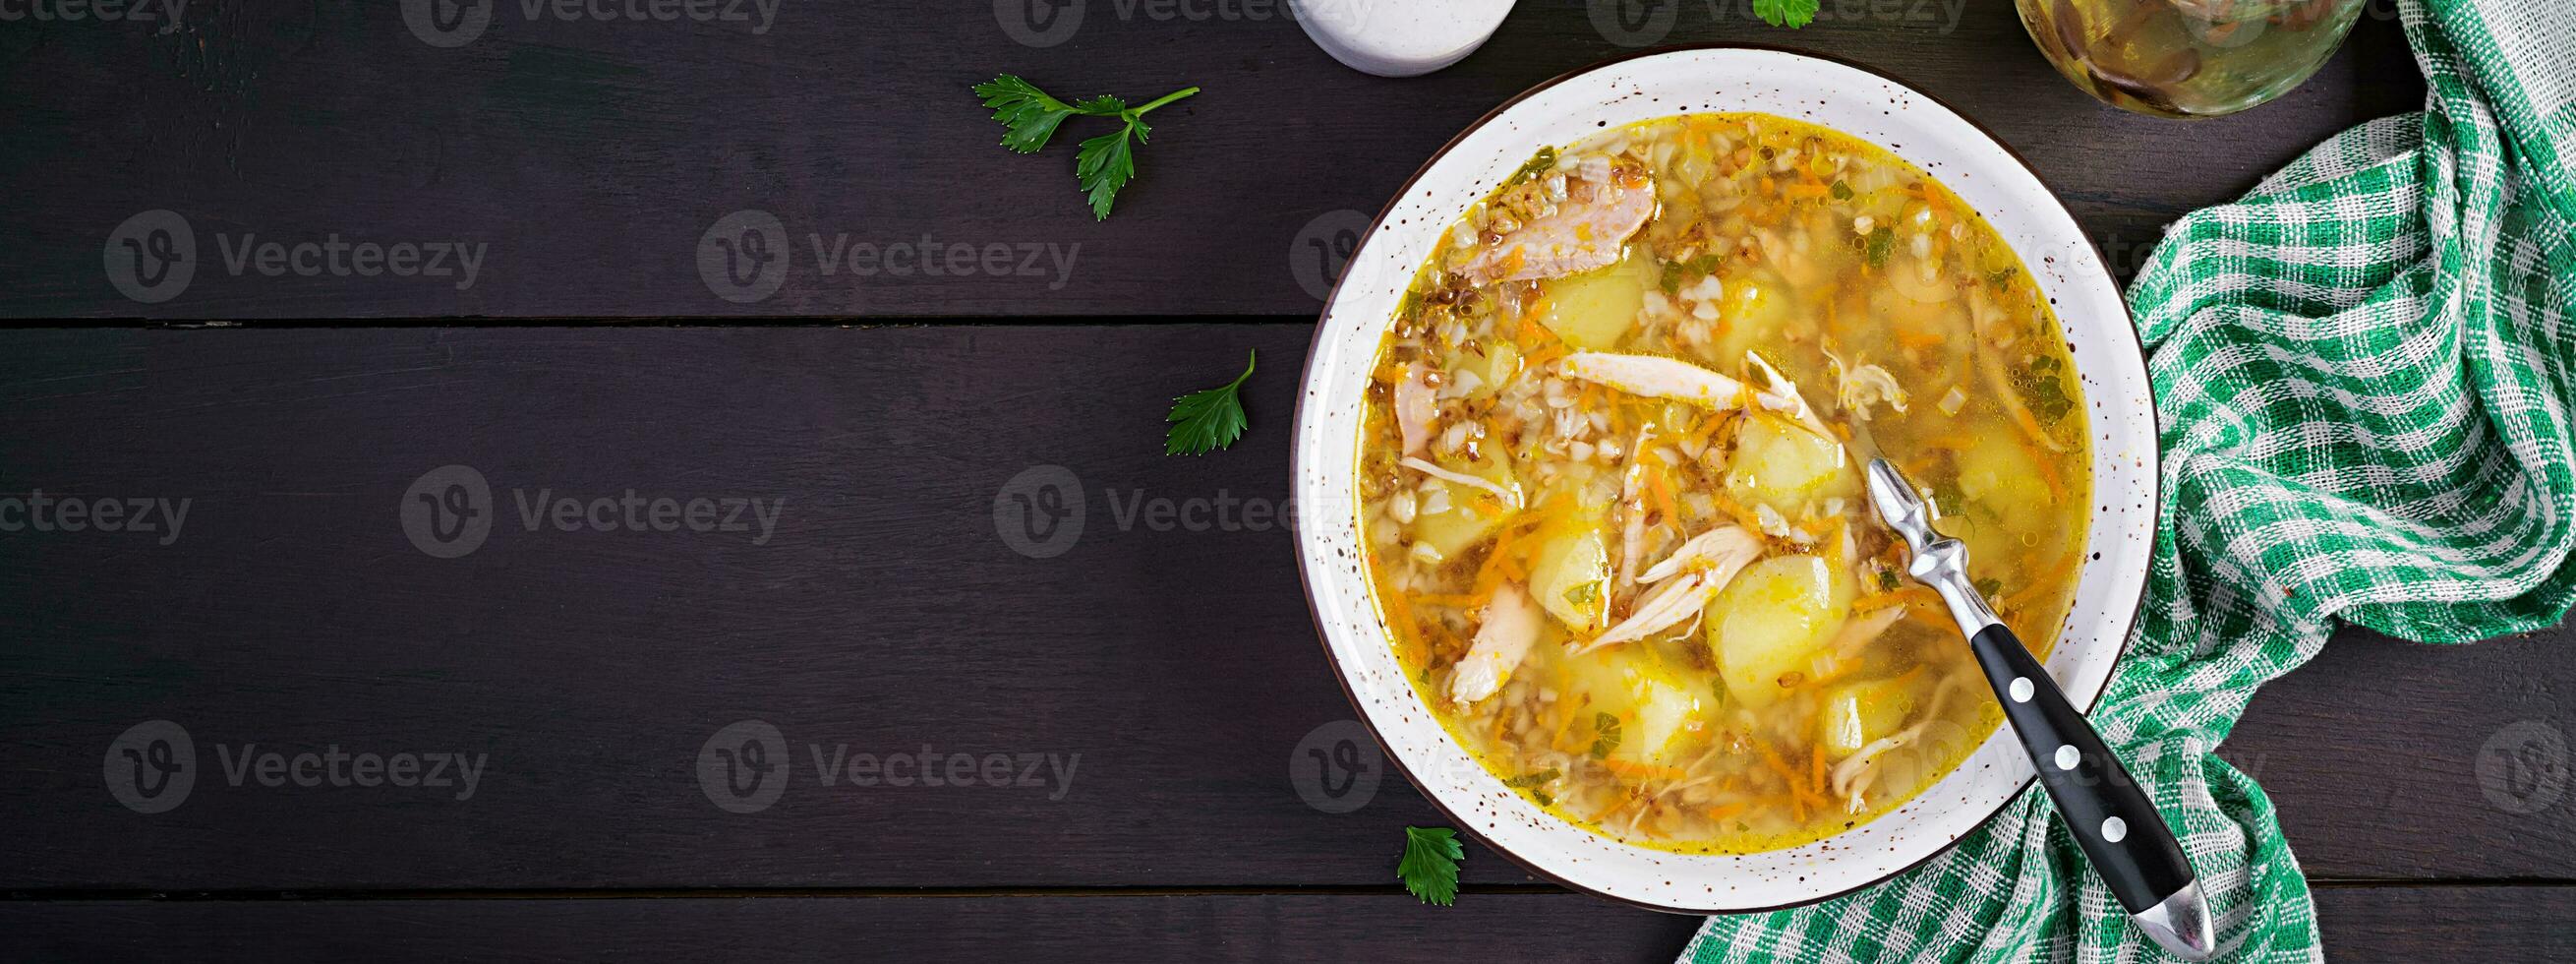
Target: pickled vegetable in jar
(2188,58)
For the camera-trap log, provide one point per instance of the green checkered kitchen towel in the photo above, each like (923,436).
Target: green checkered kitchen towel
(2364,371)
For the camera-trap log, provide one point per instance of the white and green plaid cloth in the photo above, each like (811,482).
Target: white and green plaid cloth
(2364,373)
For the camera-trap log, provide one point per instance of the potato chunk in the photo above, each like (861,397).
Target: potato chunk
(1787,467)
(1571,578)
(1771,619)
(1656,705)
(1860,712)
(1592,311)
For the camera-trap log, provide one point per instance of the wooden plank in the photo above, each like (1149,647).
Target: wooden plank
(2359,924)
(584,161)
(591,670)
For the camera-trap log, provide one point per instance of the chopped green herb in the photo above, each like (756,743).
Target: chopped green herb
(1842,191)
(1105,163)
(1584,595)
(1605,740)
(1785,13)
(1887,580)
(1672,279)
(2000,278)
(2043,390)
(1429,868)
(1876,248)
(1208,420)
(1539,165)
(1990,587)
(1528,781)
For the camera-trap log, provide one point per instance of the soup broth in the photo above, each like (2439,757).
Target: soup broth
(1610,478)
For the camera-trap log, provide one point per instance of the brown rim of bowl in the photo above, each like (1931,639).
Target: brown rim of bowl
(2155,480)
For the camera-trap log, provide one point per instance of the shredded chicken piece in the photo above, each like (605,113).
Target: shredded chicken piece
(1688,579)
(1580,235)
(1632,504)
(1859,387)
(1656,377)
(1725,548)
(1860,631)
(1511,625)
(1511,498)
(1783,397)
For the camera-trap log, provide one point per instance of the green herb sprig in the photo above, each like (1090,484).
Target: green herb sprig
(1205,421)
(1430,865)
(1105,163)
(1785,13)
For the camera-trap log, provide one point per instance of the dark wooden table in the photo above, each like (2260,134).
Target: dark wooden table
(810,560)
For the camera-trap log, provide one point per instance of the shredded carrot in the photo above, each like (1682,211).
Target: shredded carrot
(1643,771)
(1899,596)
(1662,490)
(1818,769)
(1461,601)
(1805,190)
(1725,810)
(1910,338)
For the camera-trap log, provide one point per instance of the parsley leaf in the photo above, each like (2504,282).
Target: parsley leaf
(1430,865)
(1785,13)
(1208,420)
(1105,163)
(1605,740)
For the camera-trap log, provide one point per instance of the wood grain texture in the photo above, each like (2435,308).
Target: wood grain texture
(884,612)
(2398,924)
(587,159)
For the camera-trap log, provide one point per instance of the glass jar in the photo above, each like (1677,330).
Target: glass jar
(2188,58)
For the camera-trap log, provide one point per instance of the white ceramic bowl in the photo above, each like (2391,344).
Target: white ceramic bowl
(1857,102)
